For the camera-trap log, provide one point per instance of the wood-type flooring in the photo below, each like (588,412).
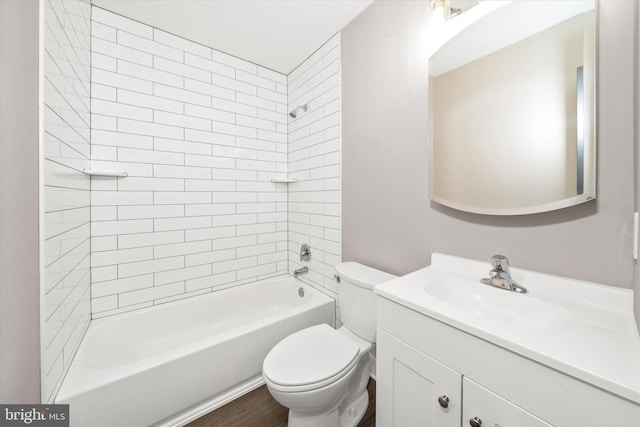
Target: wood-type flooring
(259,409)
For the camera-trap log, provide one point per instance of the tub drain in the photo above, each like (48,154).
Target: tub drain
(300,292)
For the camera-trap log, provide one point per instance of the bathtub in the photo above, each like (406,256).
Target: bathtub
(169,364)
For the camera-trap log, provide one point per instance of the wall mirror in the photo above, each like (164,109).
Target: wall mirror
(512,105)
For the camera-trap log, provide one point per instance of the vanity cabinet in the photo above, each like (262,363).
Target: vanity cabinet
(415,390)
(420,359)
(489,409)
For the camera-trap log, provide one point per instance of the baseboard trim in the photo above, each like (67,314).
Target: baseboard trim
(198,411)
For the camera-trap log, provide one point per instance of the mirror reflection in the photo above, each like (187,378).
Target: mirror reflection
(512,100)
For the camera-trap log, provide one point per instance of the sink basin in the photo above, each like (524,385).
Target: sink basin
(499,306)
(583,329)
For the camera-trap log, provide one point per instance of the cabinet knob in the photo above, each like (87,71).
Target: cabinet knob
(475,422)
(443,401)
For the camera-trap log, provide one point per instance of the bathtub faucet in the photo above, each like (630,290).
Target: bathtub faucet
(301,270)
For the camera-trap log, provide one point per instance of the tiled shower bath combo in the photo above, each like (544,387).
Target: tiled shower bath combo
(201,136)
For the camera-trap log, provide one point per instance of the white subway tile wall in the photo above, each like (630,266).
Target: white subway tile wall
(66,283)
(201,134)
(314,158)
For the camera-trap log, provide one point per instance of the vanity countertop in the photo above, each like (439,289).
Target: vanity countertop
(583,329)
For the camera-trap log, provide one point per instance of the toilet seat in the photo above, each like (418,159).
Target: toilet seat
(310,359)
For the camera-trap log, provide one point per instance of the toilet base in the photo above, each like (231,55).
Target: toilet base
(351,415)
(342,416)
(324,419)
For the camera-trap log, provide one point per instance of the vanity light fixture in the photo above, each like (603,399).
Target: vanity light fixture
(438,14)
(444,10)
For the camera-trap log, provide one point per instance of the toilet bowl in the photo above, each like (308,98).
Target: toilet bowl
(310,372)
(321,373)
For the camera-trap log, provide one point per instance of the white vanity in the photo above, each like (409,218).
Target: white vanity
(452,351)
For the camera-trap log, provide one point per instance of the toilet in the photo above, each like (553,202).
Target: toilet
(321,373)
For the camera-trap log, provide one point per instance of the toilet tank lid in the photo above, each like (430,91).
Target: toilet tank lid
(362,275)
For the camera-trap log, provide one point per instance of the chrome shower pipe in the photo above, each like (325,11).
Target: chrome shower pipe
(294,113)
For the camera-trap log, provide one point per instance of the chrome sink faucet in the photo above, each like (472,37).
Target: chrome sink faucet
(500,277)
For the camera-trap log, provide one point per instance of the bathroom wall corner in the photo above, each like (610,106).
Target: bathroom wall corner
(65,152)
(314,160)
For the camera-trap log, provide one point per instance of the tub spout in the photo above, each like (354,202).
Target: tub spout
(300,271)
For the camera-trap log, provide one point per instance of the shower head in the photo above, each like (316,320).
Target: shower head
(294,113)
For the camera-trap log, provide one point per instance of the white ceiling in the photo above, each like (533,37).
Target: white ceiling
(277,34)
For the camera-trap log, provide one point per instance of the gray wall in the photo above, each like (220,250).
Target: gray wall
(636,285)
(19,266)
(388,220)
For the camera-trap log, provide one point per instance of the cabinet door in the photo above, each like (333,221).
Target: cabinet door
(409,384)
(492,410)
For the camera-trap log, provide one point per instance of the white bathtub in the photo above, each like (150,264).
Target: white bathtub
(170,364)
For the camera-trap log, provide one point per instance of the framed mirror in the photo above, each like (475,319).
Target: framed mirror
(512,102)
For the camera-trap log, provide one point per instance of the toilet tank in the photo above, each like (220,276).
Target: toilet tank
(356,299)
